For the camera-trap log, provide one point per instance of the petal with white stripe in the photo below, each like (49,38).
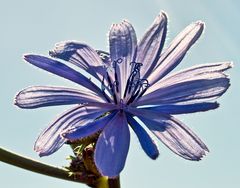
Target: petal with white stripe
(151,45)
(62,70)
(76,133)
(81,55)
(42,96)
(176,51)
(191,73)
(122,43)
(194,89)
(50,140)
(173,133)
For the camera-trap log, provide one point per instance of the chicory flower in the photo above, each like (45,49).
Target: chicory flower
(133,80)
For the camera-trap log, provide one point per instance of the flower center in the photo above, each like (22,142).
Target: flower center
(122,105)
(135,86)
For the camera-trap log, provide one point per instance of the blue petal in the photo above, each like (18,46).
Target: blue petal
(50,140)
(198,70)
(173,133)
(42,96)
(184,108)
(112,146)
(122,43)
(80,55)
(194,89)
(62,70)
(147,143)
(76,133)
(178,138)
(151,45)
(176,51)
(190,73)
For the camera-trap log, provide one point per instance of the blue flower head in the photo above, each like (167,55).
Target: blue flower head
(134,79)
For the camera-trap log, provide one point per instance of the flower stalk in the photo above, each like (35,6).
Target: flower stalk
(26,163)
(17,160)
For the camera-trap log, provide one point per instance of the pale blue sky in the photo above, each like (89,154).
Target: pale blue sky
(35,26)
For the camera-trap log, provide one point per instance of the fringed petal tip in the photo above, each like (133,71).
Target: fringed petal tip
(59,49)
(42,155)
(65,49)
(44,151)
(196,155)
(231,64)
(34,59)
(40,151)
(162,15)
(226,65)
(200,26)
(30,57)
(15,100)
(19,99)
(200,22)
(154,156)
(199,157)
(123,23)
(120,23)
(27,57)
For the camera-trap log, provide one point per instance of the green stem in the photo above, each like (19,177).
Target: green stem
(14,159)
(35,166)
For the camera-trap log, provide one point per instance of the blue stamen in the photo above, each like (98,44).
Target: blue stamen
(135,85)
(111,86)
(103,87)
(115,62)
(132,82)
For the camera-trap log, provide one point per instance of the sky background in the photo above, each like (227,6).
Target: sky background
(35,26)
